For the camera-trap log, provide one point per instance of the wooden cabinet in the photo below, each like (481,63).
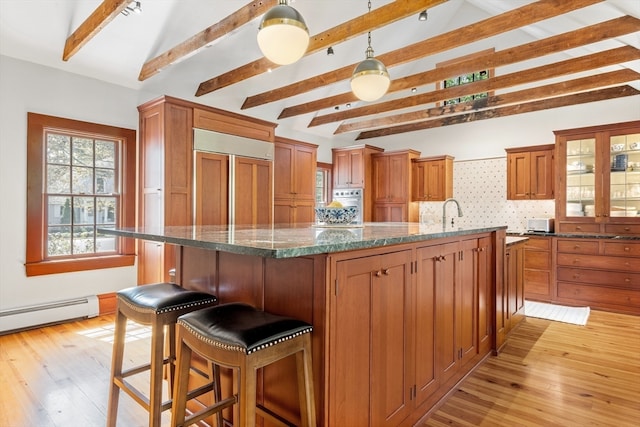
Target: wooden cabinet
(253,191)
(165,179)
(391,173)
(530,172)
(600,273)
(510,302)
(405,326)
(294,181)
(538,268)
(372,342)
(212,179)
(432,178)
(167,188)
(352,169)
(598,184)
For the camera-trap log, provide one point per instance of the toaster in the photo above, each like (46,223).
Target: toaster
(544,225)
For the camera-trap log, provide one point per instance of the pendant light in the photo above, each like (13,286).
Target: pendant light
(370,79)
(283,36)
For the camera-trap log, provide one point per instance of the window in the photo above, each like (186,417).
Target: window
(464,79)
(81,177)
(323,183)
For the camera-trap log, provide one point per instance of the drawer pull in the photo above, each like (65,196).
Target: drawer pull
(627,229)
(627,280)
(576,247)
(627,248)
(576,261)
(578,228)
(576,276)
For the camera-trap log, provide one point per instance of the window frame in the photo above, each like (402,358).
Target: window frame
(36,262)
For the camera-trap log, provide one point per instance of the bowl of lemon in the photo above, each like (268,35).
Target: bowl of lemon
(336,214)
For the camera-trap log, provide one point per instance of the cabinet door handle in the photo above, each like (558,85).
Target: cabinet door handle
(378,273)
(385,271)
(605,215)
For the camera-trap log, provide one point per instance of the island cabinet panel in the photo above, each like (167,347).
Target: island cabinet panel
(510,297)
(372,341)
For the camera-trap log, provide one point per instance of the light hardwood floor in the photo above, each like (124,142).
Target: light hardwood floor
(549,374)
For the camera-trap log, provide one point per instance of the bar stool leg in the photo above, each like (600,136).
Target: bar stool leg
(305,384)
(120,330)
(181,386)
(248,374)
(157,370)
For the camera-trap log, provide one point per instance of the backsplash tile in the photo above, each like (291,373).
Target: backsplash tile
(481,188)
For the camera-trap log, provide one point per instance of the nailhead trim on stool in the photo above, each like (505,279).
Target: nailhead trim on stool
(157,305)
(239,336)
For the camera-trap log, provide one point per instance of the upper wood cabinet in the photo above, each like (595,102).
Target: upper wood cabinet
(530,172)
(432,178)
(598,183)
(391,175)
(294,169)
(352,169)
(352,166)
(294,181)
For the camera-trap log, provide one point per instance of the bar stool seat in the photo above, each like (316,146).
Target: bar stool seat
(240,337)
(159,306)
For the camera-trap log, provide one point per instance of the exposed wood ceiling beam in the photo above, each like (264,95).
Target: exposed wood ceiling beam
(564,101)
(511,20)
(557,69)
(215,32)
(99,18)
(587,35)
(367,22)
(597,81)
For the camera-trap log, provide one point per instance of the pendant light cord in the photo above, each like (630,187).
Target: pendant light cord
(369,52)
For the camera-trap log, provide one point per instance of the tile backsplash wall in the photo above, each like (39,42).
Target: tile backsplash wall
(481,188)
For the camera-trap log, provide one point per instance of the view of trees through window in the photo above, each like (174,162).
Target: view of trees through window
(464,79)
(82,193)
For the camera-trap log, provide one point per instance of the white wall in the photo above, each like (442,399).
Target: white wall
(25,87)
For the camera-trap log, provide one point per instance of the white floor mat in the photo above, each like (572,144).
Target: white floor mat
(559,313)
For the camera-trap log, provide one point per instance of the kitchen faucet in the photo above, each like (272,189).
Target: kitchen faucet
(444,211)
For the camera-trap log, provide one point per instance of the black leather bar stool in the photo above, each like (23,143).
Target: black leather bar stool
(240,337)
(159,306)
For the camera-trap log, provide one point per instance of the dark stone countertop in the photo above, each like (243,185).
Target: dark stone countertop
(284,241)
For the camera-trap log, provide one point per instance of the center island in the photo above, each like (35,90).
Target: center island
(401,311)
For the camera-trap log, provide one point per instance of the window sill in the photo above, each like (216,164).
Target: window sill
(84,264)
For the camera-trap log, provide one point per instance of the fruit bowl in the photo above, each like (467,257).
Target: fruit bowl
(331,215)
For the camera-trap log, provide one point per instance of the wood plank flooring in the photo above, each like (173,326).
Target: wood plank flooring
(549,374)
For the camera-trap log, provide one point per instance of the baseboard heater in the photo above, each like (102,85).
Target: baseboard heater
(58,311)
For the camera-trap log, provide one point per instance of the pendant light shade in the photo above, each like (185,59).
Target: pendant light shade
(283,35)
(370,79)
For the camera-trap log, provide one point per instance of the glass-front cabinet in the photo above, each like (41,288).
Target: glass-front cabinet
(598,184)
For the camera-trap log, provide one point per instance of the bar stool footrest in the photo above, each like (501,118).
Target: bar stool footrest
(210,410)
(272,417)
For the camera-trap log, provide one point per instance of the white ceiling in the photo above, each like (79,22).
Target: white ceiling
(36,31)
